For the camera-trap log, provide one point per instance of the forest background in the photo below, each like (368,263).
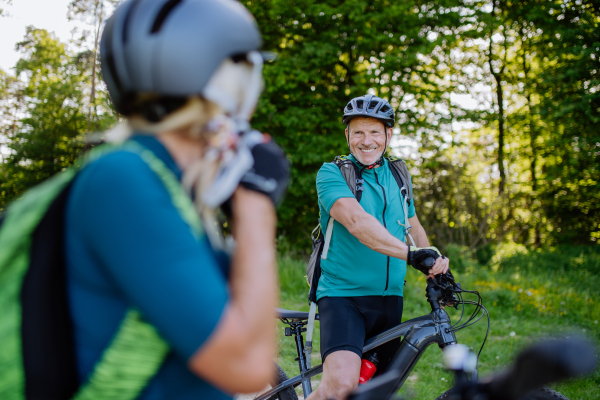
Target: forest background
(497,110)
(497,104)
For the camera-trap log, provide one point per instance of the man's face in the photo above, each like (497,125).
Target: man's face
(367,139)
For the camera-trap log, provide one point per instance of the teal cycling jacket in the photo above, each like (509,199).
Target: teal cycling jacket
(351,268)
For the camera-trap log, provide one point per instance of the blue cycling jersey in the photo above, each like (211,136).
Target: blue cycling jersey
(127,246)
(351,268)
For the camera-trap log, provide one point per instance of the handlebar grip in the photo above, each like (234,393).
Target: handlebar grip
(541,364)
(428,262)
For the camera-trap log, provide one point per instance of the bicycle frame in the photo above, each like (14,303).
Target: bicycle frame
(419,333)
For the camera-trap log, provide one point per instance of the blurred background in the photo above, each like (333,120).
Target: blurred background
(498,105)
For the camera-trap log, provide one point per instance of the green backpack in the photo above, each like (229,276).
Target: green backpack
(37,354)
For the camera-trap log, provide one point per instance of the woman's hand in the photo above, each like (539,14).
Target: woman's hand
(270,174)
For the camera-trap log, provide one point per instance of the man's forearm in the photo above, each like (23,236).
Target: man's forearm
(375,236)
(418,233)
(420,237)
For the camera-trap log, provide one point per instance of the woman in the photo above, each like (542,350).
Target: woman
(186,75)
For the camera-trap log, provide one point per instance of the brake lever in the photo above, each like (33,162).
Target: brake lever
(448,285)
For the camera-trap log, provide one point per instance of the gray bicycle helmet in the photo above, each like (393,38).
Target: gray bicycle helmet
(156,53)
(369,106)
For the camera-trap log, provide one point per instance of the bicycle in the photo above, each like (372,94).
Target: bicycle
(418,334)
(540,364)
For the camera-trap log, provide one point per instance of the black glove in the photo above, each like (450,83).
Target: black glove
(270,174)
(423,258)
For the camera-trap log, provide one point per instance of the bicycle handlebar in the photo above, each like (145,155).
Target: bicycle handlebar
(541,364)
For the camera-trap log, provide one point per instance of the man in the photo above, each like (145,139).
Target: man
(360,290)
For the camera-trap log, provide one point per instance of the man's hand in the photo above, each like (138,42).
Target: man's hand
(421,259)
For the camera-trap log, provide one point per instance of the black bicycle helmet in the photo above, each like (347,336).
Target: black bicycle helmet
(156,53)
(369,106)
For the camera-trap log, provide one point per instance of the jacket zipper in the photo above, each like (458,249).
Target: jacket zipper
(387,276)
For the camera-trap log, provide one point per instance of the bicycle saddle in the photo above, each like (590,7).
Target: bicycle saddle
(295,315)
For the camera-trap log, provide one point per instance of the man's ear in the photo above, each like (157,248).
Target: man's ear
(390,132)
(346,131)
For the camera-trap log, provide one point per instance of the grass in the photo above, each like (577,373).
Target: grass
(529,294)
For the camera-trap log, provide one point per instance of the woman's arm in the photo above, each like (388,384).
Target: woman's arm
(238,356)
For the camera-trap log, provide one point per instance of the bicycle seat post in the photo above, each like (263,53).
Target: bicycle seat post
(296,329)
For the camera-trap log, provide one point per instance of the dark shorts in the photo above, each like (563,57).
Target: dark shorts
(346,322)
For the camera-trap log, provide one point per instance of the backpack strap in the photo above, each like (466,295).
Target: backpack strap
(402,176)
(352,175)
(309,332)
(328,234)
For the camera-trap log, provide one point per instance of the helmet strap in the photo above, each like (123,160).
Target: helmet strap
(236,89)
(252,94)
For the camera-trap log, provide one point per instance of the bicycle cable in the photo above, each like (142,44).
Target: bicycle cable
(475,315)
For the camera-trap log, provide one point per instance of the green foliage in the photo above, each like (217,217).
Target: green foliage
(540,56)
(529,294)
(331,52)
(531,65)
(47,120)
(42,141)
(570,103)
(544,55)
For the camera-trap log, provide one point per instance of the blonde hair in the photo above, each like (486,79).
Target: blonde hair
(197,112)
(195,120)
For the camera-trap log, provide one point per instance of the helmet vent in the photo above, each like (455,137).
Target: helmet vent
(163,14)
(359,104)
(385,108)
(349,108)
(239,57)
(373,104)
(128,19)
(110,57)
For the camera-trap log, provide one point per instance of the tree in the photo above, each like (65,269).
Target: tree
(570,81)
(497,68)
(95,13)
(331,52)
(47,95)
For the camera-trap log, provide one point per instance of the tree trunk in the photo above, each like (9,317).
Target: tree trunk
(500,98)
(93,91)
(533,134)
